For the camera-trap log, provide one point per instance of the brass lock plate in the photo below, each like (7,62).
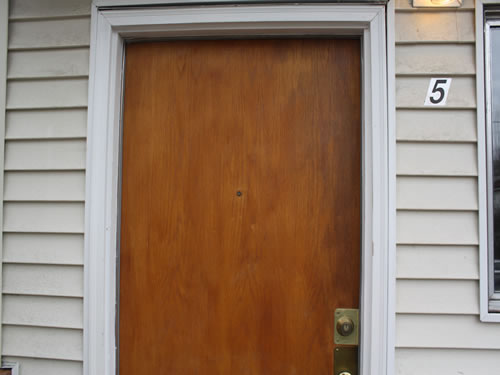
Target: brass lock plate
(343,318)
(345,360)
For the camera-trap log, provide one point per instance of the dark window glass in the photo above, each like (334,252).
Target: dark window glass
(495,145)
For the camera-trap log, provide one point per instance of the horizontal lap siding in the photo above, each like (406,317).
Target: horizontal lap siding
(49,33)
(411,91)
(437,304)
(43,248)
(45,154)
(47,366)
(429,125)
(418,361)
(44,185)
(61,63)
(437,193)
(46,124)
(434,159)
(437,262)
(50,93)
(438,331)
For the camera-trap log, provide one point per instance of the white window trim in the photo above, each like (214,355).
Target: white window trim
(4,28)
(485,248)
(110,28)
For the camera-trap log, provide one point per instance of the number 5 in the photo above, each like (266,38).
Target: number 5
(437,91)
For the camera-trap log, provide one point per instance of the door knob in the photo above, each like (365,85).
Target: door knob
(346,327)
(345,373)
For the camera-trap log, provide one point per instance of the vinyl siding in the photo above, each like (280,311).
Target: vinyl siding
(437,293)
(44,185)
(418,361)
(438,328)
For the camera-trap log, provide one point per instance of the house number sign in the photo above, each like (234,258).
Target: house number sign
(437,93)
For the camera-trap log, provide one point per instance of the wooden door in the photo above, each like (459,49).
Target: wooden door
(240,213)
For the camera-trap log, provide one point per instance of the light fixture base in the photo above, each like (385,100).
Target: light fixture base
(436,3)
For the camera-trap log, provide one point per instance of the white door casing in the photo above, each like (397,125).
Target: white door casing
(111,27)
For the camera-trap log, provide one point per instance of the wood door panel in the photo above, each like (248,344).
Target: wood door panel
(217,282)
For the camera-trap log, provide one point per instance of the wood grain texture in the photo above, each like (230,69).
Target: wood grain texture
(212,282)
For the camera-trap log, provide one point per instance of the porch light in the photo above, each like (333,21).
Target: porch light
(436,3)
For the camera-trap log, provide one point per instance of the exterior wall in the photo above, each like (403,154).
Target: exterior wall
(438,328)
(437,325)
(48,57)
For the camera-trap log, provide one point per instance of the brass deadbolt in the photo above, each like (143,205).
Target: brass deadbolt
(345,326)
(345,360)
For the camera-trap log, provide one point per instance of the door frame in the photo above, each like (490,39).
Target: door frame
(110,28)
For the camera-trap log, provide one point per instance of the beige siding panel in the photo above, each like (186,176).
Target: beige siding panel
(48,8)
(407,5)
(55,343)
(445,331)
(436,159)
(74,32)
(32,366)
(56,123)
(437,262)
(53,217)
(51,63)
(431,125)
(47,94)
(46,248)
(434,227)
(43,311)
(437,26)
(411,92)
(435,59)
(47,280)
(45,155)
(447,362)
(437,193)
(44,186)
(437,296)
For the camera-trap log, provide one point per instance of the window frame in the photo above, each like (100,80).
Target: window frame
(494,297)
(489,300)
